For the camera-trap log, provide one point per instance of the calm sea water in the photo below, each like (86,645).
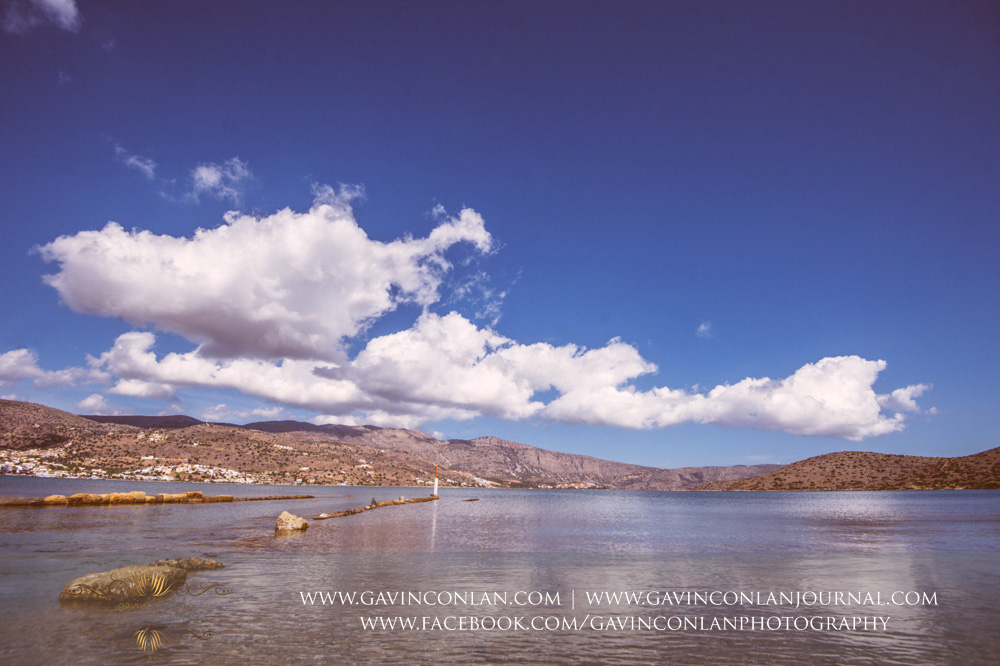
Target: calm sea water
(567,550)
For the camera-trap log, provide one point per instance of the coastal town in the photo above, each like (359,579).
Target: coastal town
(47,463)
(42,442)
(60,463)
(51,463)
(39,441)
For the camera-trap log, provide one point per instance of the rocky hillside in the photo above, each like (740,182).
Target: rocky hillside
(292,451)
(25,425)
(690,478)
(511,463)
(857,470)
(39,439)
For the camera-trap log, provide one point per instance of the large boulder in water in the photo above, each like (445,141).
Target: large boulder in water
(288,523)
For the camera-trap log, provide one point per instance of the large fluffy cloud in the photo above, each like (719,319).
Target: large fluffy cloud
(833,397)
(447,360)
(288,285)
(95,403)
(446,367)
(19,364)
(272,301)
(289,382)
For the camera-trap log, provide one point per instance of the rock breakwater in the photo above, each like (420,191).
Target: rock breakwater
(139,497)
(374,505)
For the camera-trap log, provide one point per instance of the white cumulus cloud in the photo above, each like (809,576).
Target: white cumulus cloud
(904,399)
(24,15)
(832,397)
(288,382)
(376,418)
(288,285)
(19,364)
(139,388)
(222,413)
(95,403)
(272,305)
(445,367)
(448,361)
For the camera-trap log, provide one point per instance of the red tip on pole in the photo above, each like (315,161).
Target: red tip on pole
(435,471)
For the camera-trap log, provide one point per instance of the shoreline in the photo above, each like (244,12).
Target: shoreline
(21,501)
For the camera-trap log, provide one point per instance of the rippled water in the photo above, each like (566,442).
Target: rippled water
(569,543)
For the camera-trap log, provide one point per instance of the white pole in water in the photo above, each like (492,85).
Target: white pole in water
(435,480)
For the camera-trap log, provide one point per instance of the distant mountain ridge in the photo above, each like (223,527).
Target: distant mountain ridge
(168,422)
(294,451)
(514,463)
(492,458)
(862,470)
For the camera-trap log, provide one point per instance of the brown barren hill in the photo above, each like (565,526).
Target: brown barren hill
(512,463)
(184,448)
(59,443)
(859,470)
(25,425)
(15,414)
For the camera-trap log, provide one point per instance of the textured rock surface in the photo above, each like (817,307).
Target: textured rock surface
(289,523)
(136,583)
(510,462)
(126,584)
(190,564)
(376,505)
(862,470)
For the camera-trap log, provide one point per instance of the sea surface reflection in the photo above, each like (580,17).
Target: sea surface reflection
(566,543)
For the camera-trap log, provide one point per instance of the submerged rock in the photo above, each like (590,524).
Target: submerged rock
(288,523)
(127,584)
(136,583)
(375,505)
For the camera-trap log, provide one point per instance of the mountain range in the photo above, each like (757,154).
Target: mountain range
(300,452)
(289,450)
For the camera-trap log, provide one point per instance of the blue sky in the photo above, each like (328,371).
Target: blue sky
(664,233)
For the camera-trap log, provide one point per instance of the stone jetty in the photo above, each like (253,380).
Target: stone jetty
(139,497)
(375,505)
